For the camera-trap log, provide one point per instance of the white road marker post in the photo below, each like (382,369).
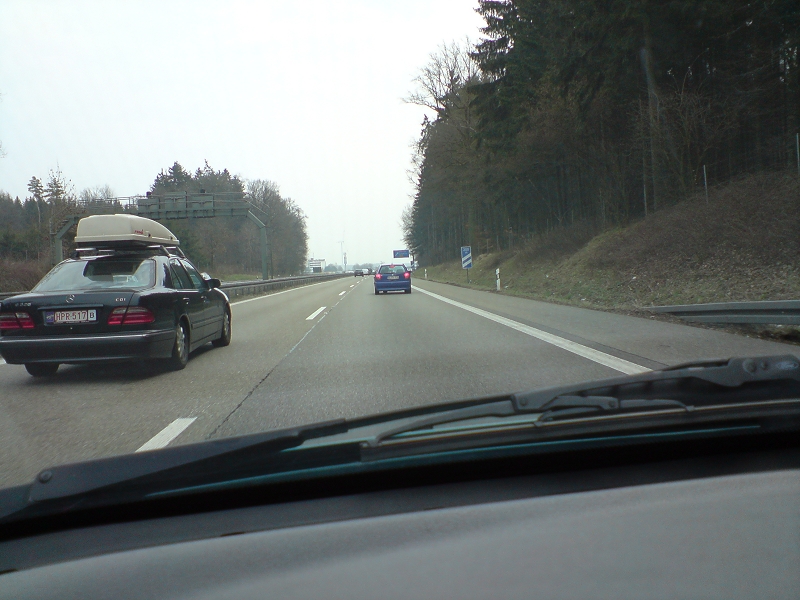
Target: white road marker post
(466,259)
(497,277)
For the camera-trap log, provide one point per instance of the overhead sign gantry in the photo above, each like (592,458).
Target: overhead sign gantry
(180,205)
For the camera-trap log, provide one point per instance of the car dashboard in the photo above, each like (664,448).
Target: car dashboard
(714,526)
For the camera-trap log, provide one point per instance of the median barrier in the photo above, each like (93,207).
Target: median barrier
(235,289)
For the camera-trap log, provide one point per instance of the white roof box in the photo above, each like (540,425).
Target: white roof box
(116,230)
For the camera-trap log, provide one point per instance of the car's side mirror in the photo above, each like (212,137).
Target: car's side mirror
(213,282)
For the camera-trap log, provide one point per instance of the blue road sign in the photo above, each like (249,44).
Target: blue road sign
(401,253)
(466,257)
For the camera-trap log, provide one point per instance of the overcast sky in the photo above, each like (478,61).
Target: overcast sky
(306,94)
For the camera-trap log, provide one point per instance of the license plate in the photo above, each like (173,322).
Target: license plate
(393,277)
(58,317)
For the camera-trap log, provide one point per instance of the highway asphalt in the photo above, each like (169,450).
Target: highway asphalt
(329,350)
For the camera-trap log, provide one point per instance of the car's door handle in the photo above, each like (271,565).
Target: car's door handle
(186,300)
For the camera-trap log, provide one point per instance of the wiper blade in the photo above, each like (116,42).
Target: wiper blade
(570,406)
(722,382)
(719,383)
(682,388)
(70,484)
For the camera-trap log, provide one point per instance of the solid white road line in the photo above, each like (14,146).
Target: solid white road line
(2,362)
(313,315)
(294,289)
(343,293)
(618,364)
(166,435)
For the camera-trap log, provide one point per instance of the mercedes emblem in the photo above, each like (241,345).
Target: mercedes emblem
(71,298)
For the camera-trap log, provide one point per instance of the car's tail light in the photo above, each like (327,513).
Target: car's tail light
(25,320)
(378,276)
(407,275)
(134,315)
(116,316)
(20,320)
(138,315)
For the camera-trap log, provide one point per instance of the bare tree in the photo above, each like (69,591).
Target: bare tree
(439,84)
(695,124)
(102,192)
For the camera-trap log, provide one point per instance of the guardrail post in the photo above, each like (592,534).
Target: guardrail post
(58,236)
(263,231)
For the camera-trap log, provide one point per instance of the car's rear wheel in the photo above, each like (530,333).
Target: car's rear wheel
(180,348)
(224,338)
(377,292)
(408,291)
(41,369)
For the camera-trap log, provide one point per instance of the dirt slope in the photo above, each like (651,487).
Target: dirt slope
(744,244)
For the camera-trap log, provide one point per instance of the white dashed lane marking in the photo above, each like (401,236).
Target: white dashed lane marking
(313,315)
(343,293)
(166,435)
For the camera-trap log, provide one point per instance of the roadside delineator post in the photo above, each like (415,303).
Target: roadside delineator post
(466,259)
(497,278)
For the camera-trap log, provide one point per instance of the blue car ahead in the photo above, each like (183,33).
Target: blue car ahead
(390,278)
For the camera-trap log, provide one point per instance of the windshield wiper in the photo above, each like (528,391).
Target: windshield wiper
(685,387)
(67,486)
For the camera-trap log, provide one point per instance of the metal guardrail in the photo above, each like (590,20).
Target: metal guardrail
(235,289)
(775,312)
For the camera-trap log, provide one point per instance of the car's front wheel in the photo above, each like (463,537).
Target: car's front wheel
(41,369)
(224,338)
(180,348)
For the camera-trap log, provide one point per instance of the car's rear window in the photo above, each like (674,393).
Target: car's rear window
(101,273)
(388,269)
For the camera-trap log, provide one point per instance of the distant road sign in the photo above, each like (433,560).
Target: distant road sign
(466,257)
(401,254)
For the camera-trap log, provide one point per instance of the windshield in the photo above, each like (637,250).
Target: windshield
(532,194)
(392,270)
(103,273)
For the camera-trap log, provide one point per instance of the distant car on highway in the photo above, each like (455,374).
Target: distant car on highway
(129,293)
(358,273)
(391,277)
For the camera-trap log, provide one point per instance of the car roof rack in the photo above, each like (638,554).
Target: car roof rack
(127,250)
(123,234)
(111,231)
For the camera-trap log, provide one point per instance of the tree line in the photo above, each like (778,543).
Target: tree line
(228,243)
(597,112)
(233,242)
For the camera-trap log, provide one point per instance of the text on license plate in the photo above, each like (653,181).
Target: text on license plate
(70,316)
(393,277)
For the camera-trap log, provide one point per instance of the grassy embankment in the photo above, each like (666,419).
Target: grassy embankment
(744,244)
